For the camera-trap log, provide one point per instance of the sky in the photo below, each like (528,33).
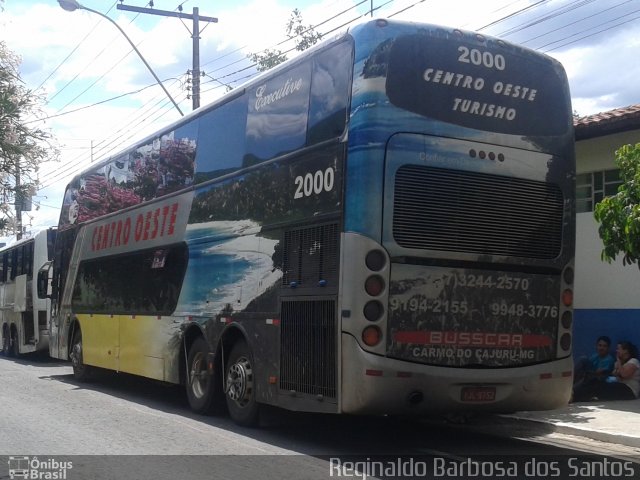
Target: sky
(98,96)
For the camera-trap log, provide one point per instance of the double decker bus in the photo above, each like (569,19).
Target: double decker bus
(382,225)
(24,317)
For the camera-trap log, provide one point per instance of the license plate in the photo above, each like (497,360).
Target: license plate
(478,394)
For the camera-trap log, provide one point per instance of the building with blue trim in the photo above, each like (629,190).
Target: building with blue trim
(607,296)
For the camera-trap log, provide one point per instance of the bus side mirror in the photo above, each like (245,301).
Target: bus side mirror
(44,282)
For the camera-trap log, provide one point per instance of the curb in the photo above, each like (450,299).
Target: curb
(567,429)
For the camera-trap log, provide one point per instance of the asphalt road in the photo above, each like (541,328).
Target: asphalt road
(120,426)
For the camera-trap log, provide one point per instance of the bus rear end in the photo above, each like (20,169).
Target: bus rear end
(457,282)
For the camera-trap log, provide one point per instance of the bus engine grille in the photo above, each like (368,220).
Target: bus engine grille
(311,256)
(308,358)
(461,211)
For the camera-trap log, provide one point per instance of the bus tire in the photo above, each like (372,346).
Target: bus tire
(14,349)
(81,371)
(240,386)
(200,383)
(6,343)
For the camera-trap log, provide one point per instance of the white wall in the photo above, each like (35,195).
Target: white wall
(598,153)
(598,283)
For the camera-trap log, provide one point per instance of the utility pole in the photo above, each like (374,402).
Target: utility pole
(195,35)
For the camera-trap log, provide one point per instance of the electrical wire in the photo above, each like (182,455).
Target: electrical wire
(236,78)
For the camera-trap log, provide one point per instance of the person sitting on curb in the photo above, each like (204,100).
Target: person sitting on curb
(623,384)
(597,366)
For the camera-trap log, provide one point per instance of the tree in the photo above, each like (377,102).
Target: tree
(22,146)
(619,215)
(304,37)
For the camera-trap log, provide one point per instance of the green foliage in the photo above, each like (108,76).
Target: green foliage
(267,59)
(304,36)
(23,145)
(619,215)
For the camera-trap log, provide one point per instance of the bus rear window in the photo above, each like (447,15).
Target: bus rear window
(478,85)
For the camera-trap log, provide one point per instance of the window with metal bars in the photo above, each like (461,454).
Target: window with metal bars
(311,256)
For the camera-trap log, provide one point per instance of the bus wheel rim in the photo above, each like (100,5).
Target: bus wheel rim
(240,382)
(76,354)
(197,376)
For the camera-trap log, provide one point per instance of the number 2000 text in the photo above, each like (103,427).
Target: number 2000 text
(314,183)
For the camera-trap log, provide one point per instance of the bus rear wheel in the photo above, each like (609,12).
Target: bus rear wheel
(201,383)
(14,348)
(6,343)
(240,386)
(81,372)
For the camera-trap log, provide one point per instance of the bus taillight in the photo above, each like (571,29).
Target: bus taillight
(568,275)
(373,310)
(374,285)
(567,298)
(375,260)
(371,336)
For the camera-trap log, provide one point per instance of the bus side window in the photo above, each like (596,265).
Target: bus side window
(19,267)
(11,274)
(330,88)
(3,270)
(154,280)
(28,260)
(276,127)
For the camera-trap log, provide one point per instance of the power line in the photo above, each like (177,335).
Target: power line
(98,22)
(591,34)
(539,20)
(564,26)
(107,100)
(100,147)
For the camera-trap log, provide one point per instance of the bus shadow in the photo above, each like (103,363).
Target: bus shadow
(36,359)
(320,435)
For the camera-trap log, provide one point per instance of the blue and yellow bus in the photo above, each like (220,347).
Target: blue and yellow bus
(382,225)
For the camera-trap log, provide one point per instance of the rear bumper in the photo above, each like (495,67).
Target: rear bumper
(373,384)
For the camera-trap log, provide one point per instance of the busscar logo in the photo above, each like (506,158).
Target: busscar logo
(37,469)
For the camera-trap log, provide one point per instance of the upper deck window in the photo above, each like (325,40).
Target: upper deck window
(277,116)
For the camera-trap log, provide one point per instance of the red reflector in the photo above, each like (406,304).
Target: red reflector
(273,380)
(546,376)
(374,285)
(371,336)
(567,298)
(373,373)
